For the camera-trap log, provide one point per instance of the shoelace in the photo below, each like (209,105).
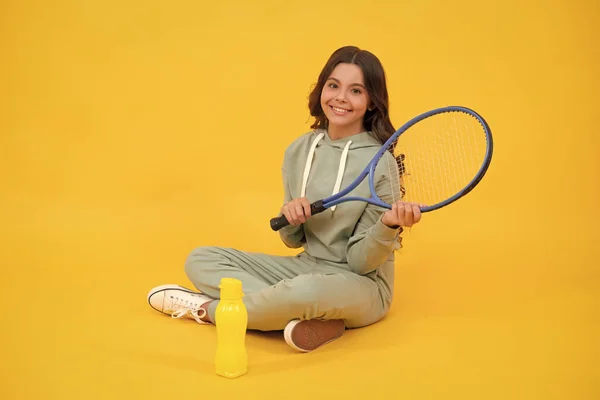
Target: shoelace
(183,307)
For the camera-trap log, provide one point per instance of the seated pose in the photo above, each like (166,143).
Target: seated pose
(344,276)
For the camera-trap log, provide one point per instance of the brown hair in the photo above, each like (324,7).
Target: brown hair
(376,120)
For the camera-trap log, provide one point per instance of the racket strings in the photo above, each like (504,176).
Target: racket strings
(436,158)
(395,170)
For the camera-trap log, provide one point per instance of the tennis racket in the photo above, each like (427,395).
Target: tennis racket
(438,157)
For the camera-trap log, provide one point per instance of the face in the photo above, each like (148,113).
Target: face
(344,98)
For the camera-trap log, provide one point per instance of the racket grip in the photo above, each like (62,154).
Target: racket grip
(279,222)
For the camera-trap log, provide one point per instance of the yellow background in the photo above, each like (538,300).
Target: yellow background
(131,132)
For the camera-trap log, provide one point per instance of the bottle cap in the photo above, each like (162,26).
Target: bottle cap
(231,289)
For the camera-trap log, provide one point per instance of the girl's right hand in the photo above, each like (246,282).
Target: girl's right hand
(297,211)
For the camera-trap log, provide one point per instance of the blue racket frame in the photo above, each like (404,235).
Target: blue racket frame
(340,197)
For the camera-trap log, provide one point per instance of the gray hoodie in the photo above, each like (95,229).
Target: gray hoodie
(351,235)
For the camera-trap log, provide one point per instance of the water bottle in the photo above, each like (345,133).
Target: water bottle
(231,321)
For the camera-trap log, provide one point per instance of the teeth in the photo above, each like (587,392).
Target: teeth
(339,109)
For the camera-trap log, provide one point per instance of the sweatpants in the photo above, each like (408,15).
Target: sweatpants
(278,289)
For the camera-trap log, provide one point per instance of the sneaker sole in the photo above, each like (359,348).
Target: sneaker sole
(162,288)
(287,335)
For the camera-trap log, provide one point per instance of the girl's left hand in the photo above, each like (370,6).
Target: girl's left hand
(402,215)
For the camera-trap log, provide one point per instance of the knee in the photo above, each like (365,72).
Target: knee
(197,259)
(303,291)
(367,316)
(315,296)
(309,297)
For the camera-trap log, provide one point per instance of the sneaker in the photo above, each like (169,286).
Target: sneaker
(308,335)
(178,302)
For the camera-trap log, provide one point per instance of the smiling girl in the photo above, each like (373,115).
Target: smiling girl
(344,276)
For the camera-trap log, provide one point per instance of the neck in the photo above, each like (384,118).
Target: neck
(341,132)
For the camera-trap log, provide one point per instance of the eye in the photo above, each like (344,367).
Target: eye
(332,85)
(356,91)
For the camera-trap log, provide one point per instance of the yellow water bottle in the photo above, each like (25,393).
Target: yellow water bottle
(231,320)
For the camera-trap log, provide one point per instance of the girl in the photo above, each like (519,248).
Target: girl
(344,277)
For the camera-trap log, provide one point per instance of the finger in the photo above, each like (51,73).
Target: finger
(388,217)
(396,220)
(400,213)
(300,212)
(293,215)
(286,213)
(408,214)
(306,205)
(416,213)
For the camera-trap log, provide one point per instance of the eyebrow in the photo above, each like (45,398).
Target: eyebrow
(354,84)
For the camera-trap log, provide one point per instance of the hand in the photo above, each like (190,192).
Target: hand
(402,215)
(297,211)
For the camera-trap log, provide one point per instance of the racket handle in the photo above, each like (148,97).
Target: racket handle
(280,222)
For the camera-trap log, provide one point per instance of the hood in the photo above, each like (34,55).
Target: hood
(360,140)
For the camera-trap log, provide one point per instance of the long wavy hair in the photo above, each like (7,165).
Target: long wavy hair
(377,117)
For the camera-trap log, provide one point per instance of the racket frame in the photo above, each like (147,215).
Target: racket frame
(340,197)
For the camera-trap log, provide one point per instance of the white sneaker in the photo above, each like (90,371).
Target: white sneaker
(177,301)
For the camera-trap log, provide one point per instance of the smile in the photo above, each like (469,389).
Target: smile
(340,111)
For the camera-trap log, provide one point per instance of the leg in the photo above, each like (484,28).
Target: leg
(294,293)
(323,304)
(330,294)
(205,267)
(280,289)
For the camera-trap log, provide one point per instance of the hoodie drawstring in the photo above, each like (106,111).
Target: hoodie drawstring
(309,162)
(341,168)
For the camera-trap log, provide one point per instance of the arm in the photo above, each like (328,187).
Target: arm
(373,242)
(292,236)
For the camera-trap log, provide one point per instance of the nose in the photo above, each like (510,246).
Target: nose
(340,96)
